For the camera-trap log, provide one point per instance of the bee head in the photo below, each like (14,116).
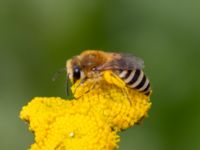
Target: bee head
(74,70)
(84,65)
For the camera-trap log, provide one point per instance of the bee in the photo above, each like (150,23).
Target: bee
(91,63)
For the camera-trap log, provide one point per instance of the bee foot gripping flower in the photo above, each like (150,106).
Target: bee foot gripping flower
(86,122)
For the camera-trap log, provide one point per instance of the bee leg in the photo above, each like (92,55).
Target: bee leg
(125,91)
(80,83)
(67,85)
(92,86)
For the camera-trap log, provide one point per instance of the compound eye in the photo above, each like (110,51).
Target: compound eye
(76,73)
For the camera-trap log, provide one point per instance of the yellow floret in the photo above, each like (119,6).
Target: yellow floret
(119,105)
(87,121)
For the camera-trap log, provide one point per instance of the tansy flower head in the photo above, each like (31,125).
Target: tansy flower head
(119,105)
(91,120)
(55,127)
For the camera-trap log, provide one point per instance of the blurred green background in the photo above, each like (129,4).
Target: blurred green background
(38,36)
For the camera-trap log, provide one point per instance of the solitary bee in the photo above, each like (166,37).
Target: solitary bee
(91,63)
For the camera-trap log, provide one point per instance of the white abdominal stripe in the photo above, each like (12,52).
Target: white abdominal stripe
(136,79)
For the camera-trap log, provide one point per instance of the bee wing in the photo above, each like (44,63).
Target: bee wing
(131,62)
(123,61)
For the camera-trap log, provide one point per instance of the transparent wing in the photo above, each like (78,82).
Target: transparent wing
(122,61)
(131,61)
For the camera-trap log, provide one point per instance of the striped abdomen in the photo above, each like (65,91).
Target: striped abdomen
(136,79)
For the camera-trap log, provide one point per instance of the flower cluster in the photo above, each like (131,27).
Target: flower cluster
(100,109)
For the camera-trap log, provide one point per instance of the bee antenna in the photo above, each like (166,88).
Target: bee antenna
(67,85)
(57,74)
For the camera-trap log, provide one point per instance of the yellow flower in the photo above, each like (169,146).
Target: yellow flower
(119,105)
(90,121)
(57,126)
